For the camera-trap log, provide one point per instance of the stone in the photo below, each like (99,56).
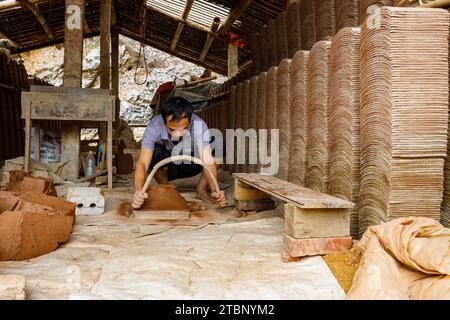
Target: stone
(89,200)
(12,287)
(315,246)
(316,223)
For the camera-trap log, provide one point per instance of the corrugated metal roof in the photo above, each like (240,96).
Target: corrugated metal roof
(202,11)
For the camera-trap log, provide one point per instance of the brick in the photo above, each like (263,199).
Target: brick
(89,201)
(316,223)
(12,287)
(315,246)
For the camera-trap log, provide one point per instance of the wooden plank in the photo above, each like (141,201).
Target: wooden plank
(105,44)
(50,89)
(58,106)
(161,215)
(209,39)
(37,142)
(244,193)
(316,223)
(288,192)
(180,27)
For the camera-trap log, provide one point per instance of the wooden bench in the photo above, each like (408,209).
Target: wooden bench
(316,223)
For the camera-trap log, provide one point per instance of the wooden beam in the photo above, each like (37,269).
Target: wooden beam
(233,58)
(209,39)
(235,13)
(37,13)
(180,27)
(3,36)
(105,44)
(87,29)
(73,71)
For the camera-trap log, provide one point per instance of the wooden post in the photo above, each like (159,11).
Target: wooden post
(233,58)
(105,43)
(115,73)
(73,59)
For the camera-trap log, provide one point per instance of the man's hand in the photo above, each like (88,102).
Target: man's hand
(139,199)
(220,198)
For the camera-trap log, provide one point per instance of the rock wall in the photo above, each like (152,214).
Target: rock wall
(47,64)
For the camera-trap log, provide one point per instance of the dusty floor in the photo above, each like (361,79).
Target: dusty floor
(213,256)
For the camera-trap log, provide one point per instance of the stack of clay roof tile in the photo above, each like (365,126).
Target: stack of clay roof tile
(238,120)
(317,117)
(283,113)
(368,6)
(410,3)
(308,16)
(344,121)
(294,28)
(271,44)
(261,107)
(297,157)
(252,117)
(404,114)
(347,13)
(325,19)
(282,38)
(243,167)
(271,105)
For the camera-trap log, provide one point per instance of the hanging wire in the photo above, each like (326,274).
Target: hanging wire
(143,23)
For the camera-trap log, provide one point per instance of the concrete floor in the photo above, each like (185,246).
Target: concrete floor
(214,255)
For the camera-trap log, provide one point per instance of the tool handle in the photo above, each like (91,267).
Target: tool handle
(176,158)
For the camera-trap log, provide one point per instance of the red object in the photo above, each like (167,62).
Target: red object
(164,88)
(236,40)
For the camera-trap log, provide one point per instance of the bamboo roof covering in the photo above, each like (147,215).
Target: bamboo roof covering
(179,27)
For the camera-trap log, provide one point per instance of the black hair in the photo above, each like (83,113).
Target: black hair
(177,107)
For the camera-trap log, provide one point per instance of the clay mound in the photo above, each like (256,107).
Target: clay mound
(21,181)
(8,201)
(33,224)
(164,198)
(27,235)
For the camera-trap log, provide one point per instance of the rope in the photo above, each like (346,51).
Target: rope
(143,22)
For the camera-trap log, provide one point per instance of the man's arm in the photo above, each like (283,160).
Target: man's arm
(140,174)
(208,159)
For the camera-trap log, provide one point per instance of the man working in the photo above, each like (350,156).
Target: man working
(175,125)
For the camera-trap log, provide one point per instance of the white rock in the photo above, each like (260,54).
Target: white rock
(90,201)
